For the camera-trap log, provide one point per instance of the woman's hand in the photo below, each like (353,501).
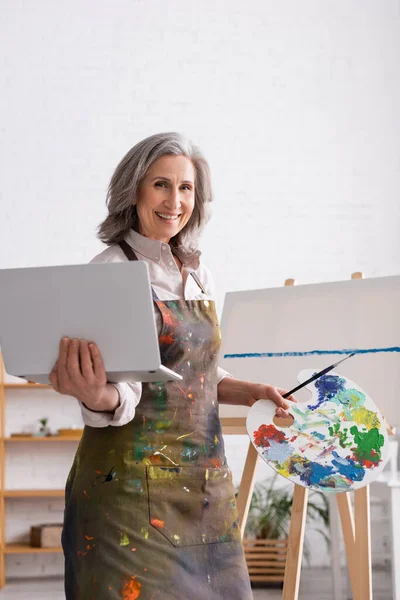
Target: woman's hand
(246,393)
(79,372)
(261,391)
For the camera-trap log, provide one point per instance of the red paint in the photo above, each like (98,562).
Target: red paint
(268,432)
(157,523)
(131,590)
(166,339)
(215,462)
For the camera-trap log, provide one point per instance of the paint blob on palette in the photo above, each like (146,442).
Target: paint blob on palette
(338,441)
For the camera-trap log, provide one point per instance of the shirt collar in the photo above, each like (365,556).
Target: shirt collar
(152,250)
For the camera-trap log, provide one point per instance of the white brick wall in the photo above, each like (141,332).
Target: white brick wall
(295,105)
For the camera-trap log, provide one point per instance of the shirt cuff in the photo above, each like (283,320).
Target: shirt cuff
(221,374)
(129,397)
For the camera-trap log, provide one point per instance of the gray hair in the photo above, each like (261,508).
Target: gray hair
(122,191)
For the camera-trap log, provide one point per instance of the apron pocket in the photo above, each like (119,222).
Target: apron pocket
(192,505)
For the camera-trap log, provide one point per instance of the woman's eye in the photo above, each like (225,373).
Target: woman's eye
(186,187)
(161,183)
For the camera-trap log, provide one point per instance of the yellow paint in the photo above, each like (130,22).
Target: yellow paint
(144,532)
(206,474)
(186,435)
(161,474)
(216,440)
(366,417)
(160,425)
(283,470)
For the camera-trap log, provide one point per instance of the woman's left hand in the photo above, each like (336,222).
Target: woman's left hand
(262,391)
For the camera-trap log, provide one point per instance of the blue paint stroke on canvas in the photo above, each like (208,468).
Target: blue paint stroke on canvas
(312,352)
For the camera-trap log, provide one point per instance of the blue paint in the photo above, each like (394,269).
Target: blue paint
(348,467)
(327,386)
(278,451)
(318,435)
(316,473)
(312,353)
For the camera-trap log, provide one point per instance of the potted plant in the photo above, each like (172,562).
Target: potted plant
(44,430)
(267,528)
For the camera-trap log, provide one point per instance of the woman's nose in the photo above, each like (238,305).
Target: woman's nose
(173,200)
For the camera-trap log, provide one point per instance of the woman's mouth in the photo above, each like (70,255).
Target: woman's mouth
(167,217)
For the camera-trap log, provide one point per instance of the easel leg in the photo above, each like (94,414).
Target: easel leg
(334,526)
(247,486)
(295,545)
(347,520)
(362,549)
(357,540)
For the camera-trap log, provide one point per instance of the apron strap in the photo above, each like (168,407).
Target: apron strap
(130,255)
(197,280)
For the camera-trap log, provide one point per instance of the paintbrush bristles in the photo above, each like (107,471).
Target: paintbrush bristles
(345,358)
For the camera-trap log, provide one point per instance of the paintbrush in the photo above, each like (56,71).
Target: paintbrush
(316,376)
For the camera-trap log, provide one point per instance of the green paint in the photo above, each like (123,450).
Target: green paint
(189,452)
(349,399)
(178,314)
(298,412)
(140,441)
(343,436)
(162,426)
(124,541)
(159,393)
(369,444)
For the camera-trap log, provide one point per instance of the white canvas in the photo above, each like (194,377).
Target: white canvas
(271,335)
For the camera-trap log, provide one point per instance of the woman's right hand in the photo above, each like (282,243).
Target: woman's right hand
(79,372)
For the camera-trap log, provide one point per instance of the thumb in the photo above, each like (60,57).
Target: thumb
(276,397)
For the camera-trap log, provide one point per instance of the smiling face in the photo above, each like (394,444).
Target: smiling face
(165,198)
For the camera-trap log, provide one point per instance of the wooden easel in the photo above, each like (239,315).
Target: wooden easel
(356,529)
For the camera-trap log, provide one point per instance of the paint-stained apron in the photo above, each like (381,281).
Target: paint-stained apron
(150,507)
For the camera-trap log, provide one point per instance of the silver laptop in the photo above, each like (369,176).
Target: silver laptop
(107,303)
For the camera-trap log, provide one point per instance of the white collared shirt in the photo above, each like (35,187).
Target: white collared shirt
(169,284)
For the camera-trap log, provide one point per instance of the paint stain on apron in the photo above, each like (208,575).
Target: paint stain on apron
(150,507)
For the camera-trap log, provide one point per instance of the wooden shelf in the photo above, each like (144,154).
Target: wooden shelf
(9,497)
(25,549)
(29,386)
(33,494)
(50,438)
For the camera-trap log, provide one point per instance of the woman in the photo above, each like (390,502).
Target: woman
(150,509)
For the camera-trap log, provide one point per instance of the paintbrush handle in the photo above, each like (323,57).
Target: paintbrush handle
(313,378)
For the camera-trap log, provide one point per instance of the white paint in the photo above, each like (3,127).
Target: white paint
(295,105)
